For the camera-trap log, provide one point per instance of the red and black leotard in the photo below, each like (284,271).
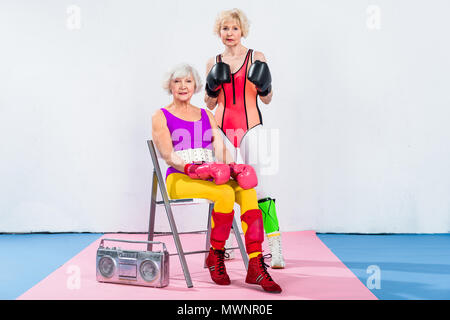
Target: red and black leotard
(238,110)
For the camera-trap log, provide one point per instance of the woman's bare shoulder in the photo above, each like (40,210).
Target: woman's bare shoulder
(209,64)
(209,113)
(158,117)
(212,119)
(258,55)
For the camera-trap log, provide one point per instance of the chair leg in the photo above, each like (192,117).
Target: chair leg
(151,223)
(173,227)
(240,243)
(208,233)
(176,238)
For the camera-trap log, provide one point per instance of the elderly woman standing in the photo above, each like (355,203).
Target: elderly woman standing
(235,80)
(187,138)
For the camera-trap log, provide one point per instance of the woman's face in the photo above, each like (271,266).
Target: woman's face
(230,32)
(183,88)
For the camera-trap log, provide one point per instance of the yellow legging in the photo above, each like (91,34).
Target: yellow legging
(180,186)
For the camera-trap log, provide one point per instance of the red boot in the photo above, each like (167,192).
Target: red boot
(257,274)
(216,266)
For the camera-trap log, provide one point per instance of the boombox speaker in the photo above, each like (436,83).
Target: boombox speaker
(141,268)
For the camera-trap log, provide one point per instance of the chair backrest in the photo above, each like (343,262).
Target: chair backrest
(157,159)
(155,154)
(159,174)
(158,154)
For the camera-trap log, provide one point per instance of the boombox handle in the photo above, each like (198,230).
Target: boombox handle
(134,241)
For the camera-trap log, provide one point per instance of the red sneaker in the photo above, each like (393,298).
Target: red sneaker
(257,274)
(216,266)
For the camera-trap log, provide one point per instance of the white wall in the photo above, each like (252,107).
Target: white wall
(361,105)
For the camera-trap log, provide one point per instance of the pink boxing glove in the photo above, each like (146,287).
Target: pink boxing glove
(189,169)
(218,171)
(244,174)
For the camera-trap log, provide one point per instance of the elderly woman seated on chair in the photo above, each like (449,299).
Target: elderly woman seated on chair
(200,166)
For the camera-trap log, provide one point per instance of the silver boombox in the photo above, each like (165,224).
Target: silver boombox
(141,268)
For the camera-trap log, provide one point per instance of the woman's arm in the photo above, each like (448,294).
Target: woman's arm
(260,56)
(163,141)
(220,150)
(210,102)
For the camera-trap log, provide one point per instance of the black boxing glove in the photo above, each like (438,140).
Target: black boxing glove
(259,74)
(220,73)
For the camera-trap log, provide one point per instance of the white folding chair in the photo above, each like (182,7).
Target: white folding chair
(158,181)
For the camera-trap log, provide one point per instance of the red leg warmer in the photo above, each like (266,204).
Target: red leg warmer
(254,235)
(221,229)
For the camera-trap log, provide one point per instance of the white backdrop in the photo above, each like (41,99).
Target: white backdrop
(361,106)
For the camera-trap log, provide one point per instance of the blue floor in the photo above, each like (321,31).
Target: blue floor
(394,267)
(397,267)
(29,258)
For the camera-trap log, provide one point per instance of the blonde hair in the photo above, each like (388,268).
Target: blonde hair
(236,14)
(180,71)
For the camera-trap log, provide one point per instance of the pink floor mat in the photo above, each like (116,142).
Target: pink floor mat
(312,272)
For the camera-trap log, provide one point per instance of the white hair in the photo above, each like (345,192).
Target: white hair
(180,71)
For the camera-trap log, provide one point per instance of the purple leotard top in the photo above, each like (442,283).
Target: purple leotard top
(188,134)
